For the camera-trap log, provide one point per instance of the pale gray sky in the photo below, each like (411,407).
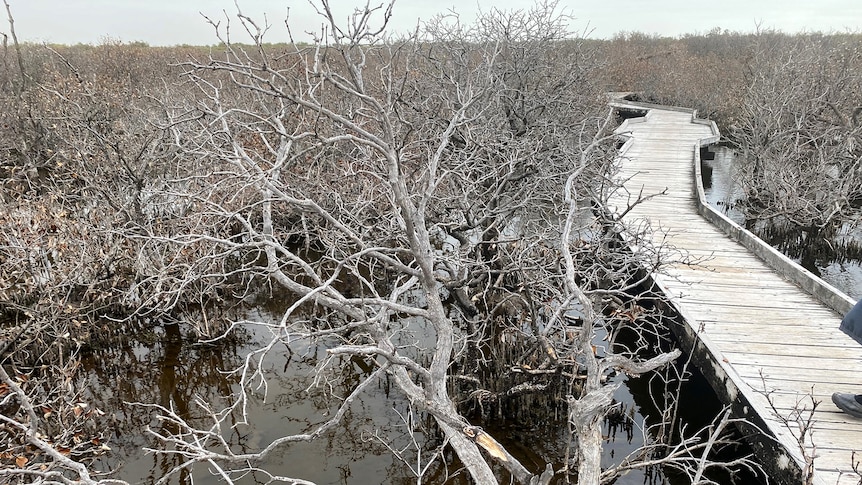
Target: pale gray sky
(170,22)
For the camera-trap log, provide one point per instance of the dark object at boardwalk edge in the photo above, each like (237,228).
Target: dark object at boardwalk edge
(852,322)
(852,325)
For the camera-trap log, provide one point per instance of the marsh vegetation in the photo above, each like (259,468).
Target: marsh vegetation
(385,245)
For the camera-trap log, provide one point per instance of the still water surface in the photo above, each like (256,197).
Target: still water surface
(166,367)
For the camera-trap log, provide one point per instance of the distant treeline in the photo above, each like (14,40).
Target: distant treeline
(708,72)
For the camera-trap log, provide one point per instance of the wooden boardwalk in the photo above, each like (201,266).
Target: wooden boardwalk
(764,333)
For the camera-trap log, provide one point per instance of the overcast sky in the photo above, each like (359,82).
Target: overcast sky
(170,22)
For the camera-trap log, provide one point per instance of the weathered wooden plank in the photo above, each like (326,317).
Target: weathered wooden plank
(805,338)
(787,296)
(845,380)
(766,347)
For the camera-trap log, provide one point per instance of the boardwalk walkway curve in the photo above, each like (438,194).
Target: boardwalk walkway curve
(765,325)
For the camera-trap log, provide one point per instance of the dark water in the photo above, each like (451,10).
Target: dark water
(174,372)
(163,365)
(722,192)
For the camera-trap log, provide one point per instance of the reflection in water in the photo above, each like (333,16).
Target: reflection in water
(719,184)
(379,440)
(164,367)
(156,368)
